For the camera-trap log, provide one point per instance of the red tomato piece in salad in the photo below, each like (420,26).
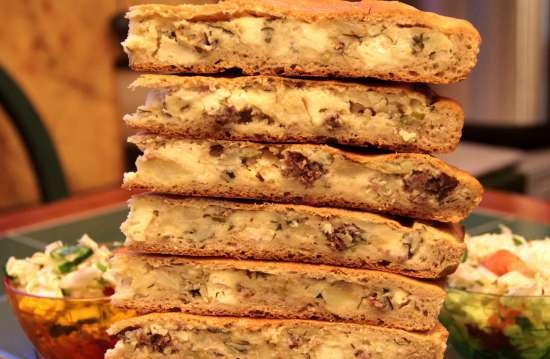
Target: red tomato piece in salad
(505,317)
(504,261)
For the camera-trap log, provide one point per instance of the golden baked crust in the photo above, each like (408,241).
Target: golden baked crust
(394,12)
(464,36)
(274,109)
(153,318)
(408,184)
(159,81)
(150,283)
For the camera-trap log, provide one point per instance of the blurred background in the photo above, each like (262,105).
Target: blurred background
(64,78)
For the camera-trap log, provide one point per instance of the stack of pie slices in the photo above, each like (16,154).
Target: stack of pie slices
(294,207)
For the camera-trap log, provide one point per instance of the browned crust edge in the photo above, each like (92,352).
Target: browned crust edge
(294,70)
(217,191)
(438,331)
(145,306)
(151,247)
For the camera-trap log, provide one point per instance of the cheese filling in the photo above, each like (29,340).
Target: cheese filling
(288,41)
(210,285)
(314,112)
(418,248)
(284,171)
(203,341)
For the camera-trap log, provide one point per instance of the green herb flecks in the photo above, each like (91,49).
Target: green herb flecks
(241,346)
(418,43)
(517,240)
(408,120)
(102,267)
(465,256)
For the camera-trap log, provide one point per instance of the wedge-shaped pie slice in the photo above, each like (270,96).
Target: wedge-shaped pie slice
(150,283)
(414,185)
(178,335)
(275,109)
(381,39)
(217,228)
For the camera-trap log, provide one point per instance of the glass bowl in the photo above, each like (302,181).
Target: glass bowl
(488,326)
(62,328)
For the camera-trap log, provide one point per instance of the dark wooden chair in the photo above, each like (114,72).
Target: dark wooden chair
(36,138)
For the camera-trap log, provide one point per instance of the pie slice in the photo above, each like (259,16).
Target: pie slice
(381,39)
(276,109)
(407,184)
(178,335)
(207,227)
(150,283)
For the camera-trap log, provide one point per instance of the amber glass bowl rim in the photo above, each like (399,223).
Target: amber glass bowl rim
(494,295)
(11,289)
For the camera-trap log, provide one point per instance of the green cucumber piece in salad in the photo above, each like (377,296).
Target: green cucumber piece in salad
(71,257)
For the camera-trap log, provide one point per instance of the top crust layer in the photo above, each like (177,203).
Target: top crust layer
(392,12)
(159,81)
(183,318)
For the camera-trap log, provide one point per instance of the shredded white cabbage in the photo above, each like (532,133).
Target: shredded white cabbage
(472,275)
(41,273)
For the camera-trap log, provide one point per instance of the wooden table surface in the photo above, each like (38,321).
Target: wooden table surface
(100,214)
(508,204)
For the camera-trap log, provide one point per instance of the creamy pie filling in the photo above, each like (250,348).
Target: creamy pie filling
(275,40)
(294,171)
(378,299)
(309,112)
(416,248)
(296,341)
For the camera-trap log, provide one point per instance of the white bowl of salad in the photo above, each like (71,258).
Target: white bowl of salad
(498,300)
(61,298)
